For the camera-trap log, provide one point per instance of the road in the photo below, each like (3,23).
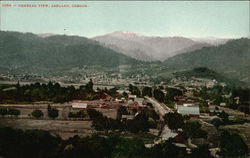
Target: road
(161,108)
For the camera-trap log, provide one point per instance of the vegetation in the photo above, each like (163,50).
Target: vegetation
(3,111)
(78,114)
(37,113)
(52,112)
(9,111)
(139,124)
(61,52)
(47,92)
(192,129)
(232,145)
(41,144)
(174,120)
(232,56)
(134,90)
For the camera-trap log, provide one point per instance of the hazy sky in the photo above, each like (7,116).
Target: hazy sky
(160,18)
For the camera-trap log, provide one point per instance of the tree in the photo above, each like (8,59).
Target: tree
(52,112)
(201,152)
(94,114)
(224,116)
(89,86)
(232,145)
(14,112)
(3,111)
(193,129)
(37,113)
(121,111)
(139,123)
(134,90)
(174,120)
(147,91)
(159,95)
(165,150)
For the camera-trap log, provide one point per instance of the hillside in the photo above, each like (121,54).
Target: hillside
(202,72)
(29,51)
(148,48)
(231,59)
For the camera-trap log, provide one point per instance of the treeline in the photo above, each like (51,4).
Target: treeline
(41,144)
(157,93)
(46,92)
(237,98)
(140,123)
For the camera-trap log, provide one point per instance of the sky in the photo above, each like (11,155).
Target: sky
(226,19)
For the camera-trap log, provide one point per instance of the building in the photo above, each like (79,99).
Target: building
(79,104)
(127,117)
(131,97)
(189,109)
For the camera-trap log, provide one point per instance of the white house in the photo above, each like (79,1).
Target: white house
(78,104)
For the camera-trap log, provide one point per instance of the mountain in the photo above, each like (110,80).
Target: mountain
(211,40)
(231,59)
(148,48)
(29,51)
(46,34)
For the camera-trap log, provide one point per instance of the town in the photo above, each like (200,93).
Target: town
(196,117)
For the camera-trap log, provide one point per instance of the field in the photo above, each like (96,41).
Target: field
(62,125)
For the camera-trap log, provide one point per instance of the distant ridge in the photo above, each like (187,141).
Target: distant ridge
(151,48)
(231,59)
(30,51)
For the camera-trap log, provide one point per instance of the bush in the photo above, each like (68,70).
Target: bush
(37,113)
(52,112)
(3,112)
(79,114)
(14,112)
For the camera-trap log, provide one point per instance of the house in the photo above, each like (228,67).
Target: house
(223,104)
(188,108)
(140,101)
(192,111)
(127,117)
(132,105)
(131,97)
(121,92)
(105,96)
(79,104)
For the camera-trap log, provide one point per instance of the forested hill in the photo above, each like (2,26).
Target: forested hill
(27,50)
(232,59)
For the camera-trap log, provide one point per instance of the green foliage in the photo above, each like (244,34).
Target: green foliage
(159,95)
(61,52)
(166,149)
(216,122)
(14,112)
(201,152)
(48,92)
(134,90)
(78,114)
(192,129)
(121,111)
(232,145)
(129,148)
(3,111)
(147,91)
(174,120)
(89,86)
(52,112)
(27,144)
(37,113)
(224,116)
(233,56)
(139,124)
